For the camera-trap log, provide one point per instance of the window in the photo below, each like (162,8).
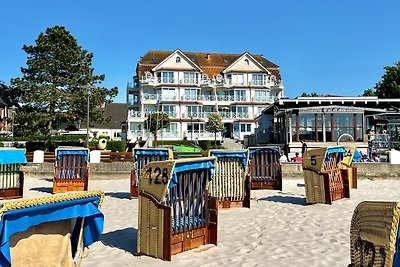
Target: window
(262,95)
(166,93)
(178,60)
(191,94)
(170,110)
(190,77)
(116,135)
(196,127)
(192,111)
(239,95)
(245,127)
(237,79)
(246,62)
(165,77)
(173,127)
(258,79)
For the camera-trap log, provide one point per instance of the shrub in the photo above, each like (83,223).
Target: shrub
(115,146)
(205,144)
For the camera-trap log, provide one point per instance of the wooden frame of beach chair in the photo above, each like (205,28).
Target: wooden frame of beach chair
(374,234)
(231,183)
(11,177)
(264,168)
(349,171)
(142,156)
(323,176)
(176,213)
(50,231)
(71,170)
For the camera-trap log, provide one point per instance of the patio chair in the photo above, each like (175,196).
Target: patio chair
(323,176)
(11,177)
(176,213)
(71,169)
(231,183)
(374,234)
(142,156)
(265,168)
(50,231)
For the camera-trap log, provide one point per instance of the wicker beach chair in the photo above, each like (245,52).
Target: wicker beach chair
(323,176)
(11,177)
(142,156)
(265,168)
(349,171)
(71,169)
(231,183)
(374,234)
(176,213)
(50,231)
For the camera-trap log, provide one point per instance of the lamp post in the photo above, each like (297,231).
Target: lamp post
(13,108)
(191,126)
(87,115)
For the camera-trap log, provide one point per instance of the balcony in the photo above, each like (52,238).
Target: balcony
(263,99)
(201,135)
(234,115)
(157,81)
(155,97)
(197,98)
(189,81)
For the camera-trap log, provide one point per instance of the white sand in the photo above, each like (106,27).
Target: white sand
(278,230)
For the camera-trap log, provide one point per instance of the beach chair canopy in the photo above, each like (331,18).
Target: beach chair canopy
(242,154)
(18,216)
(61,151)
(252,150)
(12,156)
(137,152)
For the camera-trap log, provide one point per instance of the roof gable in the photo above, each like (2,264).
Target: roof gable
(177,60)
(246,62)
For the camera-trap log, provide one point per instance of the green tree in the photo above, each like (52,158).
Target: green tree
(10,97)
(369,92)
(313,94)
(155,122)
(215,125)
(389,86)
(55,82)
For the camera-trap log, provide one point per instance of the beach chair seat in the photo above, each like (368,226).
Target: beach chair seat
(374,234)
(264,168)
(176,213)
(231,183)
(71,170)
(349,171)
(11,177)
(142,156)
(323,175)
(50,231)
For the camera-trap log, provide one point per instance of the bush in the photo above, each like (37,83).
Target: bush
(115,146)
(205,144)
(176,143)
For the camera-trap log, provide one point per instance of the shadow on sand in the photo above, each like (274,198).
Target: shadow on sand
(121,195)
(286,199)
(125,239)
(43,189)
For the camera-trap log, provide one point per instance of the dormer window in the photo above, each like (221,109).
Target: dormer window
(246,62)
(178,60)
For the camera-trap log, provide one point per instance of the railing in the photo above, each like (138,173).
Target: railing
(239,98)
(136,114)
(263,99)
(116,157)
(201,135)
(234,115)
(168,134)
(224,98)
(209,82)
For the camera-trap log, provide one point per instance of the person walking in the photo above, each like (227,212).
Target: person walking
(303,147)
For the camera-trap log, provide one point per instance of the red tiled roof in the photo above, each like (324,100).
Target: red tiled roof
(211,63)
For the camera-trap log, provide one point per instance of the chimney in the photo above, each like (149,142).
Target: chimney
(208,57)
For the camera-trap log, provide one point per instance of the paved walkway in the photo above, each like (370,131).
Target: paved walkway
(231,144)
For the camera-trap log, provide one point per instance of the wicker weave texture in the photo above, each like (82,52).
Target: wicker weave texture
(373,233)
(314,186)
(229,179)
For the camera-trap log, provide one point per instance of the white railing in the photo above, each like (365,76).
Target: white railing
(263,99)
(224,98)
(201,135)
(209,82)
(168,134)
(136,114)
(197,97)
(234,115)
(239,98)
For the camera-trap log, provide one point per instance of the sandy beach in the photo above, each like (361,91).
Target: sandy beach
(278,230)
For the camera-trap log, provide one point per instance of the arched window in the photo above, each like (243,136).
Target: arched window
(178,60)
(246,62)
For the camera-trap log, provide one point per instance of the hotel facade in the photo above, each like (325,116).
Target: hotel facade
(190,86)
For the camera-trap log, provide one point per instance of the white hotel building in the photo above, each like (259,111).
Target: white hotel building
(190,86)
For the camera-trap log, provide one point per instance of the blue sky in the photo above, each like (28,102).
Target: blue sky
(329,47)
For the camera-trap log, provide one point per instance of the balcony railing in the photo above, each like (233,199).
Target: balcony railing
(224,98)
(263,99)
(209,82)
(198,98)
(234,115)
(158,97)
(199,134)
